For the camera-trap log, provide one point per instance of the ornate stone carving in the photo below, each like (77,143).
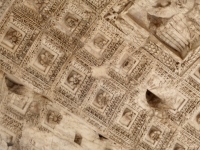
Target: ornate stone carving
(54,55)
(71,22)
(37,5)
(20,101)
(41,4)
(35,107)
(154,134)
(102,99)
(128,68)
(100,41)
(127,117)
(54,117)
(197,73)
(74,79)
(12,38)
(127,64)
(45,58)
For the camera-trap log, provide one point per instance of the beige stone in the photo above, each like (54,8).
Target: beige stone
(99,74)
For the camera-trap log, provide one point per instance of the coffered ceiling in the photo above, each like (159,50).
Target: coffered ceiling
(99,75)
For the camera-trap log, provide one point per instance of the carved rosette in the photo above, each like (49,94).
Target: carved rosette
(54,117)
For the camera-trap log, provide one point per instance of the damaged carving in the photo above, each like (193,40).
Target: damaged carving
(54,117)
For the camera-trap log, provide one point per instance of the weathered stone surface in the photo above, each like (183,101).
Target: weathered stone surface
(99,74)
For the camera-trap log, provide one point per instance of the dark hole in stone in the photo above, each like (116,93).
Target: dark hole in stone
(14,87)
(152,99)
(179,147)
(9,144)
(126,63)
(101,137)
(10,84)
(78,139)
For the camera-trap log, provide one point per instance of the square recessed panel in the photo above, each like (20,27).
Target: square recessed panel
(44,60)
(97,44)
(72,79)
(178,103)
(102,99)
(100,43)
(74,84)
(125,64)
(12,38)
(19,102)
(128,64)
(71,21)
(97,5)
(51,117)
(153,135)
(75,20)
(39,11)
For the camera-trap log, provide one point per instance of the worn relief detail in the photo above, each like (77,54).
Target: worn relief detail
(101,100)
(37,5)
(71,21)
(97,45)
(154,134)
(44,60)
(12,38)
(127,117)
(99,75)
(73,80)
(198,118)
(20,102)
(53,118)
